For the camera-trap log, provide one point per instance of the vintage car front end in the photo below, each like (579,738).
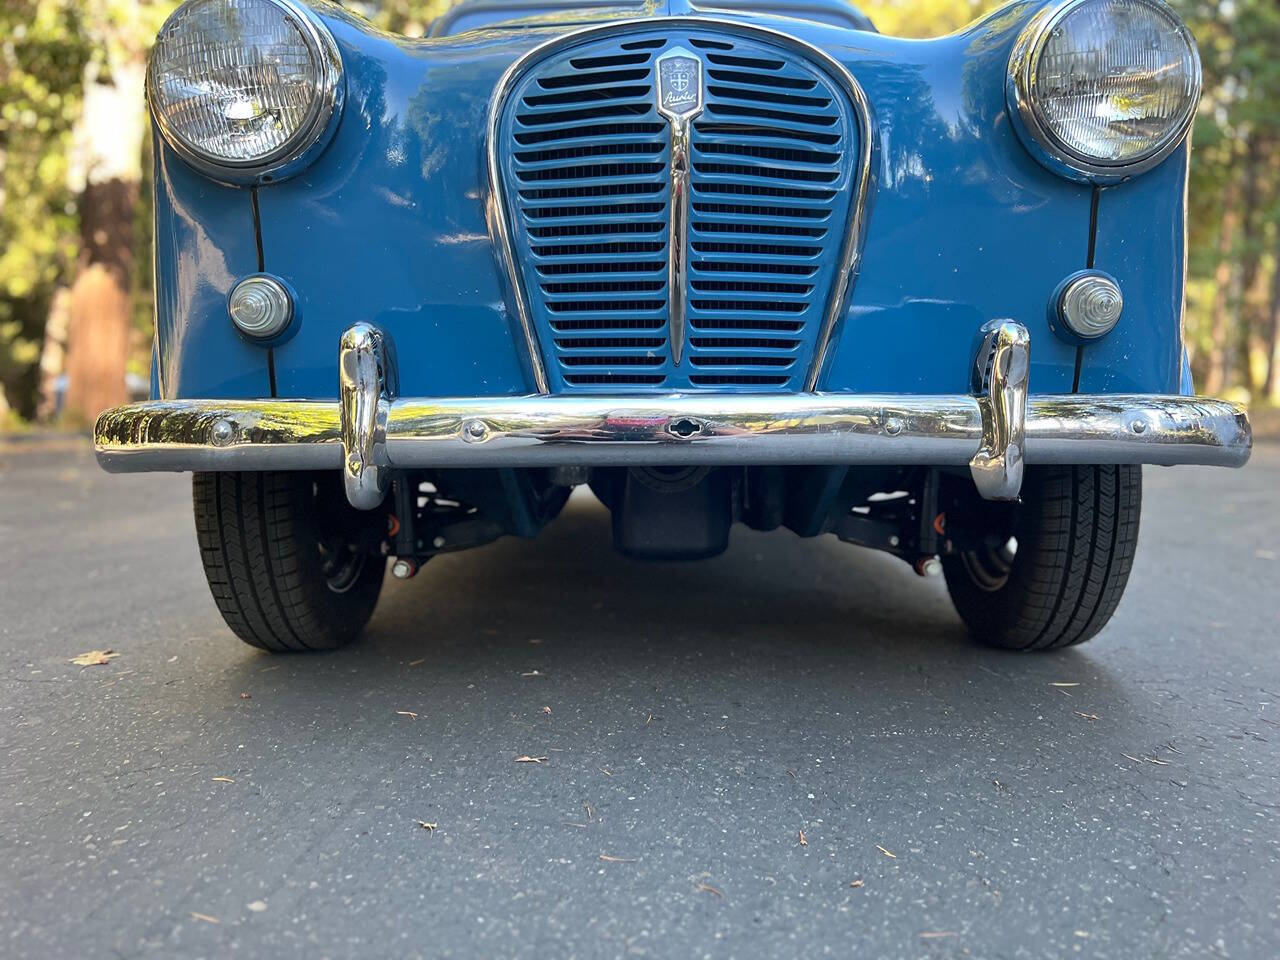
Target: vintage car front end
(722,266)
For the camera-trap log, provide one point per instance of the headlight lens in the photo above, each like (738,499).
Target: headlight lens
(1106,84)
(243,84)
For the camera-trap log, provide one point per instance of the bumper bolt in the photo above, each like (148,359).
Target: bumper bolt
(893,426)
(1138,426)
(403,569)
(475,431)
(928,566)
(222,432)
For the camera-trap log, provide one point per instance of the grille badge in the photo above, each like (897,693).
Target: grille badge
(679,84)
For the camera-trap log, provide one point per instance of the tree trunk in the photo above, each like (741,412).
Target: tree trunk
(101,314)
(1251,311)
(1271,388)
(53,355)
(108,152)
(1224,278)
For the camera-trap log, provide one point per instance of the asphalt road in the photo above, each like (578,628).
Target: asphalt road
(1120,800)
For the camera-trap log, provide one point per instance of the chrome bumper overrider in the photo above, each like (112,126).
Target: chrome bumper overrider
(369,431)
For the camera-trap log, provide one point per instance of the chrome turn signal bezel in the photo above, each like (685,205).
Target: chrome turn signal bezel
(312,135)
(1043,144)
(280,322)
(1072,328)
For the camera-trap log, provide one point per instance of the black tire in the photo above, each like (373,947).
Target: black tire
(1075,530)
(291,565)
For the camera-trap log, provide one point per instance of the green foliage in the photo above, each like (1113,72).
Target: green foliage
(408,17)
(45,47)
(1236,165)
(924,18)
(43,52)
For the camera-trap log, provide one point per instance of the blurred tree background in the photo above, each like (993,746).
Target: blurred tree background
(74,213)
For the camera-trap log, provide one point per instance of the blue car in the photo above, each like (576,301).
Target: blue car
(721,265)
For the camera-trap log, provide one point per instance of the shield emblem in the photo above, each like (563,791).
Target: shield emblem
(679,84)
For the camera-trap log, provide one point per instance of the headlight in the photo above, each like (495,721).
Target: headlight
(244,88)
(1104,88)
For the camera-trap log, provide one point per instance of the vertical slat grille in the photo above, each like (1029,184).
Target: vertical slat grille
(764,189)
(588,181)
(590,163)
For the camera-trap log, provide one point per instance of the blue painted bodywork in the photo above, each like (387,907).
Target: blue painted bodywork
(204,243)
(389,226)
(507,14)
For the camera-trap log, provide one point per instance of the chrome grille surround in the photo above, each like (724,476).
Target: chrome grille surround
(580,206)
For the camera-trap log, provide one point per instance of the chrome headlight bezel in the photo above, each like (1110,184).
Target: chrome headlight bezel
(307,141)
(1036,133)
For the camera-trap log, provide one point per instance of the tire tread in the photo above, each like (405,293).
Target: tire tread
(252,529)
(1077,532)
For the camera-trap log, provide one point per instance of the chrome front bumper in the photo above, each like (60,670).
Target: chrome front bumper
(368,431)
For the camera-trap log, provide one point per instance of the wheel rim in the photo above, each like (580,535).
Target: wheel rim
(989,567)
(341,565)
(341,561)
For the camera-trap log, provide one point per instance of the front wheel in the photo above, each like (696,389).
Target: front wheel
(1057,581)
(292,566)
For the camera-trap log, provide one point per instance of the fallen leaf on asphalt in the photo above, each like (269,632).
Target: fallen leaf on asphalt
(223,780)
(245,696)
(531,759)
(1146,759)
(1088,716)
(708,888)
(424,825)
(417,663)
(408,713)
(857,883)
(94,658)
(205,917)
(258,906)
(608,859)
(546,709)
(892,856)
(803,841)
